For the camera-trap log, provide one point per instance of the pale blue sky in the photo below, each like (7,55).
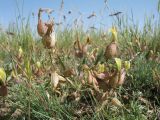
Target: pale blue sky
(140,8)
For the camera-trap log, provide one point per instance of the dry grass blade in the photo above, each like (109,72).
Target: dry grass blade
(115,14)
(92,15)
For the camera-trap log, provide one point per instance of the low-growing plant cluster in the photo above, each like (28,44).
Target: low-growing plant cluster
(112,74)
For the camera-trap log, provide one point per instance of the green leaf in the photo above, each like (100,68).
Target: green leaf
(99,57)
(28,68)
(127,65)
(118,63)
(2,75)
(101,68)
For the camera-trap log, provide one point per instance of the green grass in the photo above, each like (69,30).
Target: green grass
(28,91)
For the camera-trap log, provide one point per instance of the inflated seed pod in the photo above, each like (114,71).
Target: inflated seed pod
(122,76)
(41,27)
(111,50)
(49,39)
(113,80)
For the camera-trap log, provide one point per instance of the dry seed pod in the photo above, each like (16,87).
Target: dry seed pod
(41,27)
(116,102)
(104,80)
(49,39)
(93,54)
(111,50)
(92,80)
(101,76)
(122,76)
(103,84)
(78,54)
(83,82)
(113,79)
(81,50)
(69,72)
(86,45)
(54,79)
(78,49)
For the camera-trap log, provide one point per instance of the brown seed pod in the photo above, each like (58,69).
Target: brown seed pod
(122,76)
(93,55)
(92,80)
(78,53)
(41,27)
(111,50)
(81,50)
(116,102)
(86,45)
(49,39)
(69,72)
(113,79)
(78,48)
